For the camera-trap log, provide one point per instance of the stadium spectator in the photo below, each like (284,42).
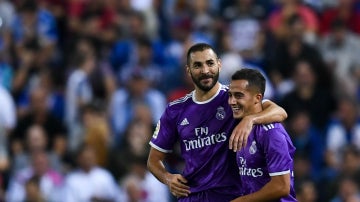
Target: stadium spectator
(88,181)
(32,190)
(344,10)
(306,191)
(339,49)
(285,10)
(97,132)
(343,130)
(309,96)
(141,185)
(35,26)
(137,90)
(347,190)
(78,92)
(38,113)
(36,140)
(309,143)
(50,180)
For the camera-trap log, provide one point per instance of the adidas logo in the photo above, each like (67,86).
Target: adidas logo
(184,122)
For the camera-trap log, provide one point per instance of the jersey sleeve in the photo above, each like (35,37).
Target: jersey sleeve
(165,134)
(277,152)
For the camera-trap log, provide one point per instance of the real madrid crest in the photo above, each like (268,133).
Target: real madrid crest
(253,148)
(220,113)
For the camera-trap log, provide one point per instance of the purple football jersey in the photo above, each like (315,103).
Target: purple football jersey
(203,130)
(269,152)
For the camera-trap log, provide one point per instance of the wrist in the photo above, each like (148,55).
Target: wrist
(251,119)
(166,179)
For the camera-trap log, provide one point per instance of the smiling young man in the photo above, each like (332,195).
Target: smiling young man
(266,162)
(202,123)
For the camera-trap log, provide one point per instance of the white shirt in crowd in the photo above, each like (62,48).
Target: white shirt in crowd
(81,186)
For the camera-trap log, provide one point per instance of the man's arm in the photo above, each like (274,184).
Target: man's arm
(278,187)
(175,182)
(271,113)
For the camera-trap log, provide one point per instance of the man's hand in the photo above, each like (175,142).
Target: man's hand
(177,185)
(240,134)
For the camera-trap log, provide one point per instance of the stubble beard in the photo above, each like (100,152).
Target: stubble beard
(205,88)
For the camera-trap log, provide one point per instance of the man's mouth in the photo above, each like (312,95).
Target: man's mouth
(236,109)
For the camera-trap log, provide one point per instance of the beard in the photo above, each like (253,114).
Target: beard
(205,87)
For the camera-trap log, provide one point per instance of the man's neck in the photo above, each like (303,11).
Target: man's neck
(202,96)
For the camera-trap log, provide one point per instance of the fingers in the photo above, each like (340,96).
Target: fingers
(180,192)
(178,187)
(235,142)
(231,140)
(240,134)
(244,141)
(238,140)
(182,179)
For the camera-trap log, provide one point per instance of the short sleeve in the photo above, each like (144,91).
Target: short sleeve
(277,152)
(165,133)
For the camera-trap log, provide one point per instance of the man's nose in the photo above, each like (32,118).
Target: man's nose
(205,68)
(231,100)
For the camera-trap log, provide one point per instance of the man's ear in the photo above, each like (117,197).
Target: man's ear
(188,70)
(219,63)
(258,97)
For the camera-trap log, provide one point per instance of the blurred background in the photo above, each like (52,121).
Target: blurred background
(83,82)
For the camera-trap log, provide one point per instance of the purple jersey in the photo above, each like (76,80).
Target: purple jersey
(203,130)
(269,152)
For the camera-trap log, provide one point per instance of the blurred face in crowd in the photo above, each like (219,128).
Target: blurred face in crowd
(138,85)
(29,18)
(299,124)
(87,159)
(347,112)
(138,136)
(145,54)
(143,113)
(243,99)
(33,191)
(204,67)
(39,100)
(307,192)
(348,189)
(304,75)
(90,63)
(200,5)
(36,138)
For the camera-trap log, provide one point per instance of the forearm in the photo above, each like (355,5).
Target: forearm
(271,113)
(157,168)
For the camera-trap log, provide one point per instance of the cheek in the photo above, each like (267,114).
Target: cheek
(246,102)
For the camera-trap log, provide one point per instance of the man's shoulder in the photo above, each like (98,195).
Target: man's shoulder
(270,127)
(181,101)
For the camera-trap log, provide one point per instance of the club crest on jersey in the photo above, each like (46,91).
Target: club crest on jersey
(252,149)
(220,113)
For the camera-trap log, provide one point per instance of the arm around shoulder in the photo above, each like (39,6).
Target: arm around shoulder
(271,113)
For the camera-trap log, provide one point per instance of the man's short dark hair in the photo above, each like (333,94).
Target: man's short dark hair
(197,47)
(254,77)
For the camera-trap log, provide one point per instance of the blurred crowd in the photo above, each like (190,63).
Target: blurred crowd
(83,82)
